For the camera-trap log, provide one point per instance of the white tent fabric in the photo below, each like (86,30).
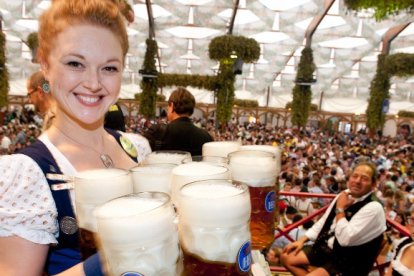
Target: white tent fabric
(345,47)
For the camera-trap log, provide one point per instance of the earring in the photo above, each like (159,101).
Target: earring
(46,87)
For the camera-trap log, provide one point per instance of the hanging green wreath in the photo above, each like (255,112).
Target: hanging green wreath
(4,75)
(223,47)
(382,8)
(302,94)
(400,65)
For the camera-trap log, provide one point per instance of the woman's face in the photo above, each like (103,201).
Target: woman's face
(84,70)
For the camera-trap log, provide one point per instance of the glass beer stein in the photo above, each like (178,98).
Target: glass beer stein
(214,228)
(258,169)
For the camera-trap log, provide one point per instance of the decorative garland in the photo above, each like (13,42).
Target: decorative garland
(201,82)
(401,65)
(312,107)
(383,8)
(4,75)
(302,94)
(33,43)
(222,48)
(245,103)
(159,98)
(149,86)
(406,114)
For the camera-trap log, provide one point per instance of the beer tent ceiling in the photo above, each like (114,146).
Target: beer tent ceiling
(345,47)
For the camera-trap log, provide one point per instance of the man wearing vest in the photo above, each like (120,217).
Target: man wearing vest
(348,236)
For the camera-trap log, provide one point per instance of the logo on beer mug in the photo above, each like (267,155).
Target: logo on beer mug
(270,201)
(244,257)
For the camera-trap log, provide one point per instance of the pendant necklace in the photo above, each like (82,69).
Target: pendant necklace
(105,158)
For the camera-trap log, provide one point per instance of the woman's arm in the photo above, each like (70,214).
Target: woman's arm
(22,257)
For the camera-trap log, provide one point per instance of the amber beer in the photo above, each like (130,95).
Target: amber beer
(258,169)
(137,235)
(93,188)
(214,228)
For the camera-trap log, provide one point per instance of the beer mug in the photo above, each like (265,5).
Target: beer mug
(273,149)
(207,158)
(214,228)
(152,177)
(258,169)
(93,188)
(166,156)
(220,148)
(137,235)
(193,171)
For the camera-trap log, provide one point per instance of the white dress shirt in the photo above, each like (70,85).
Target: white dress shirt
(368,223)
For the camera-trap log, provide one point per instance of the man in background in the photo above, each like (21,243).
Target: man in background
(180,133)
(39,96)
(348,237)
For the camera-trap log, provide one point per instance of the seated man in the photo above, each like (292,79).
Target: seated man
(348,236)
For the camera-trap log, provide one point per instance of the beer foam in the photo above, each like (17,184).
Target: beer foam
(220,148)
(214,219)
(95,187)
(193,171)
(273,149)
(256,168)
(199,168)
(152,177)
(166,157)
(101,173)
(214,202)
(137,233)
(134,219)
(127,206)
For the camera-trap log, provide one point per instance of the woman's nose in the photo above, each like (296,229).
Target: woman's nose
(92,80)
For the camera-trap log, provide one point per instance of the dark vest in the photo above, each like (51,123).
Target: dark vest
(351,260)
(66,253)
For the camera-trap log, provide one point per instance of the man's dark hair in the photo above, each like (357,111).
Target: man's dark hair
(183,101)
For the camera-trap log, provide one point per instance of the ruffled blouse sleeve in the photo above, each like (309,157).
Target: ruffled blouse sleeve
(27,208)
(140,143)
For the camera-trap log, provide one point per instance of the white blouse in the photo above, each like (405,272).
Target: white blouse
(397,265)
(27,208)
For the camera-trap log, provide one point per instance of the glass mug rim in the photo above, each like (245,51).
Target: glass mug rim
(156,165)
(171,151)
(224,166)
(244,187)
(165,196)
(190,159)
(83,175)
(251,153)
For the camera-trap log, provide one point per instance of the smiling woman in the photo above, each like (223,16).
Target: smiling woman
(82,47)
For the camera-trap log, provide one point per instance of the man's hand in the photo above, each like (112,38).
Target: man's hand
(344,200)
(294,247)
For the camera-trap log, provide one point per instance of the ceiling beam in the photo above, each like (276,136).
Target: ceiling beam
(315,23)
(151,31)
(390,35)
(233,17)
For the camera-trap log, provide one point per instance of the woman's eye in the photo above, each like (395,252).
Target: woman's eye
(74,64)
(111,68)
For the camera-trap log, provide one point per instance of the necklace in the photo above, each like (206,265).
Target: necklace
(105,158)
